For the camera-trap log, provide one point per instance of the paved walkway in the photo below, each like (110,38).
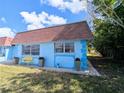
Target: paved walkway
(10,62)
(91,71)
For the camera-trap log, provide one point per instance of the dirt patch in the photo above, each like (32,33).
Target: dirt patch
(106,66)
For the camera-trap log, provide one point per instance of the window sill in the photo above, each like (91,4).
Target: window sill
(64,53)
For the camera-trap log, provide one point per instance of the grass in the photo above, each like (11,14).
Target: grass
(18,79)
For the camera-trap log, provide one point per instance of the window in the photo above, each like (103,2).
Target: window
(67,47)
(26,50)
(59,47)
(31,50)
(35,50)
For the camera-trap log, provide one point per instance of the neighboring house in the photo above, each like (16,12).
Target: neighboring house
(59,45)
(5,47)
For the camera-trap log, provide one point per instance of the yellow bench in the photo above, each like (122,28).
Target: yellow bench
(27,59)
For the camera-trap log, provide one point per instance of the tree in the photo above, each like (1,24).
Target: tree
(109,34)
(107,8)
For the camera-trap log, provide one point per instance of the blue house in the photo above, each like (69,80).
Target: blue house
(5,46)
(59,45)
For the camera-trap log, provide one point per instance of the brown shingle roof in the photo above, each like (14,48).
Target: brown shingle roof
(5,41)
(79,30)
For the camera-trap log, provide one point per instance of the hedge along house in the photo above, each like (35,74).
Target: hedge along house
(59,45)
(5,48)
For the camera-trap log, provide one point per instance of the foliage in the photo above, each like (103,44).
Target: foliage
(109,9)
(109,34)
(17,79)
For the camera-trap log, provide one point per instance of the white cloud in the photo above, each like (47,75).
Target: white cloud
(75,6)
(3,19)
(6,32)
(56,19)
(35,21)
(34,26)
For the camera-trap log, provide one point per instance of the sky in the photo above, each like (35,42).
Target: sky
(25,15)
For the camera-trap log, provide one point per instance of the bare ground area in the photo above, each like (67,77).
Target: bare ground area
(107,66)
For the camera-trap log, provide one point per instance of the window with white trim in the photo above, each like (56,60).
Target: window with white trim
(69,47)
(59,47)
(64,47)
(31,49)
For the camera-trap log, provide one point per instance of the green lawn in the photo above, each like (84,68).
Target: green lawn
(18,79)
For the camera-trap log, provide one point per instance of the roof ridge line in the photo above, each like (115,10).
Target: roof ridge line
(52,27)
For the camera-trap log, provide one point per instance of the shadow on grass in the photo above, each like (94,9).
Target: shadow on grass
(51,82)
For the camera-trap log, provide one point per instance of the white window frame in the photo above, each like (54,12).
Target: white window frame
(64,48)
(30,50)
(73,47)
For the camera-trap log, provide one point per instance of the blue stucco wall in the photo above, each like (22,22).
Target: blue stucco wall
(2,55)
(66,60)
(12,51)
(0,49)
(47,51)
(81,52)
(6,51)
(84,60)
(17,51)
(9,54)
(52,59)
